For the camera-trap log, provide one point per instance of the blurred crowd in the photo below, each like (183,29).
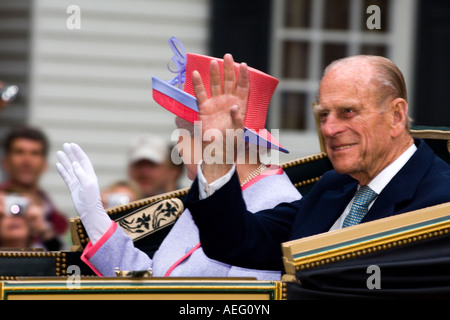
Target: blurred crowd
(151,171)
(28,216)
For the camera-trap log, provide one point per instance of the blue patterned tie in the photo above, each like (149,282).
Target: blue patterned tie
(363,197)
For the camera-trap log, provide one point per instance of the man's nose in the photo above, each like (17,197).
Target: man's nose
(332,126)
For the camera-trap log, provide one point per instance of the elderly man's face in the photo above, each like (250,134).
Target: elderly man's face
(357,133)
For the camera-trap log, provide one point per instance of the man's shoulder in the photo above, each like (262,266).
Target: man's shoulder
(331,182)
(425,179)
(332,178)
(437,172)
(438,177)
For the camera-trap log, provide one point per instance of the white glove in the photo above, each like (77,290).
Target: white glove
(78,173)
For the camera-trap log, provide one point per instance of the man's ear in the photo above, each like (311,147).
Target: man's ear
(399,109)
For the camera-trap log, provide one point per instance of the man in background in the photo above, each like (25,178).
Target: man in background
(24,162)
(151,167)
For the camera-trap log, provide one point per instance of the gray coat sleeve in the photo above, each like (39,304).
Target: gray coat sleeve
(115,249)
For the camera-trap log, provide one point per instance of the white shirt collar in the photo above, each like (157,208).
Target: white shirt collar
(385,176)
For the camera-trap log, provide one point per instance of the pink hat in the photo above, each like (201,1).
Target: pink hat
(183,103)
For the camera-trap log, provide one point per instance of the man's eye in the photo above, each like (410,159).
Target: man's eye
(348,111)
(323,115)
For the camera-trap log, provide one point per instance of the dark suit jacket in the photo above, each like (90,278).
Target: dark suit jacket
(229,233)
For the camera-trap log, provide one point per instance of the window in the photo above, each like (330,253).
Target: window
(306,36)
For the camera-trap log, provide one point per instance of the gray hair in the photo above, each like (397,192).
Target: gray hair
(387,78)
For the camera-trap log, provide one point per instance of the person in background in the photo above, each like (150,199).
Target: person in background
(24,162)
(176,169)
(23,222)
(15,231)
(120,193)
(150,166)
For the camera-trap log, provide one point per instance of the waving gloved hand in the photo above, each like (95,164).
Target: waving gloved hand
(78,173)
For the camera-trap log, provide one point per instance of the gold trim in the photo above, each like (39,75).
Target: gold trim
(307,182)
(395,231)
(190,287)
(287,277)
(60,260)
(77,232)
(303,160)
(280,292)
(147,201)
(76,240)
(31,254)
(133,274)
(431,134)
(356,251)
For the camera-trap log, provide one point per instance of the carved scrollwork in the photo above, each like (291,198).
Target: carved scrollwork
(149,219)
